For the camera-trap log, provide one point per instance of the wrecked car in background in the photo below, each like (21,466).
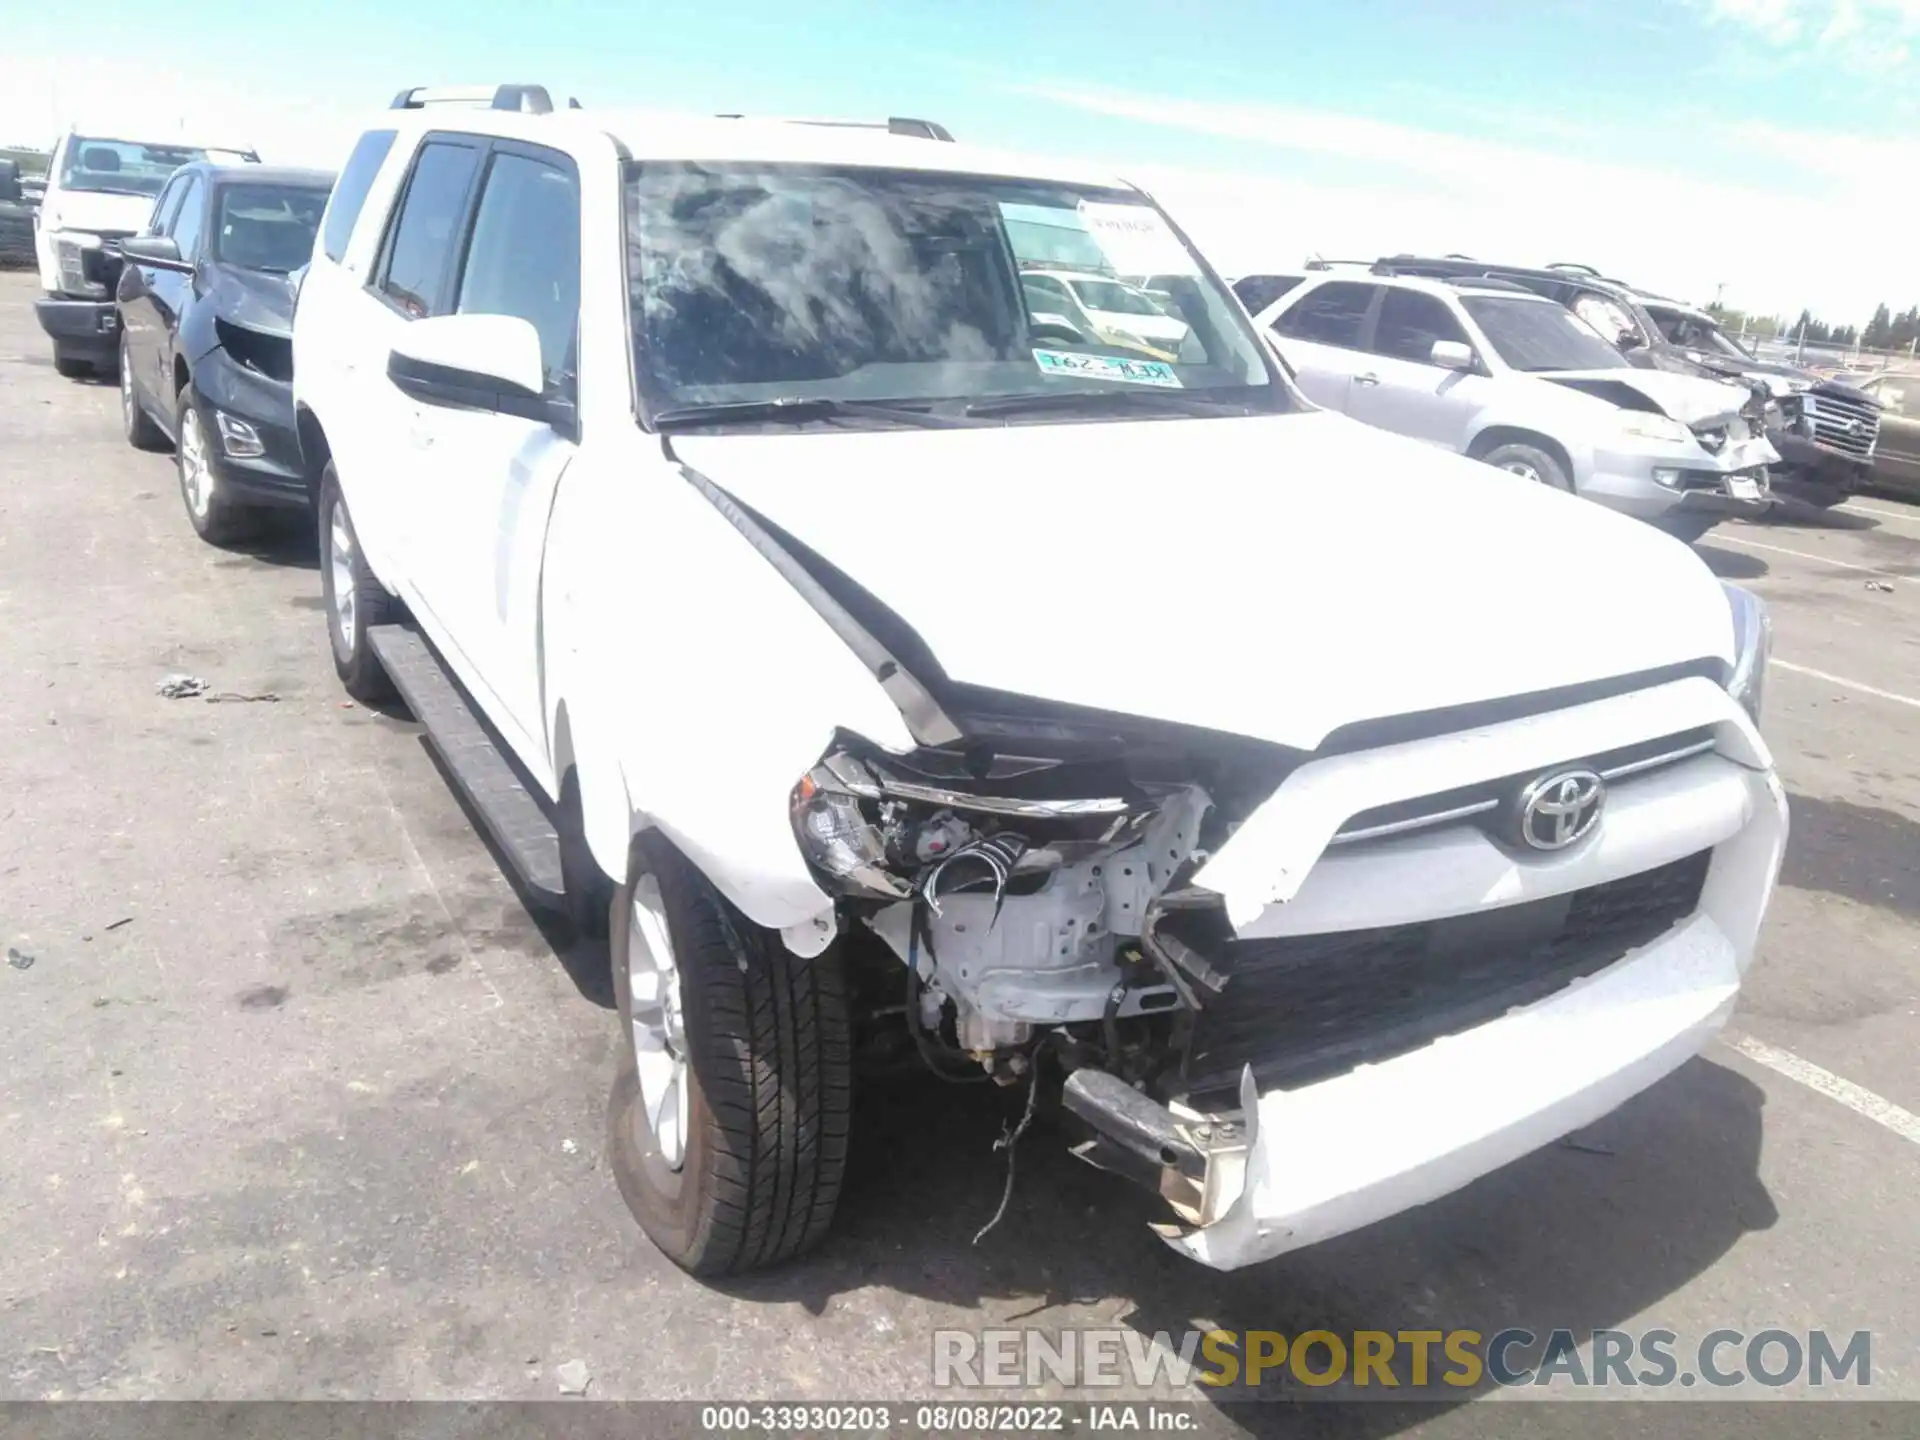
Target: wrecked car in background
(1499,374)
(205,302)
(1824,430)
(99,191)
(925,680)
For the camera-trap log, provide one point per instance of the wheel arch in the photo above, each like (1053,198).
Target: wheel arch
(315,451)
(1494,436)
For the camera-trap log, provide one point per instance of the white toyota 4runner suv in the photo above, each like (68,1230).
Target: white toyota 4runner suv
(1317,819)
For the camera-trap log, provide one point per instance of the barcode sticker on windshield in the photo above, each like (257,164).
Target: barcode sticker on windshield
(1106,367)
(1137,241)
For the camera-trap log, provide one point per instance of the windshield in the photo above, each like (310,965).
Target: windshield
(1113,297)
(1696,332)
(122,167)
(1539,335)
(267,227)
(759,283)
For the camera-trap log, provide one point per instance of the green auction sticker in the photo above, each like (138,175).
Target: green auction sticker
(1106,367)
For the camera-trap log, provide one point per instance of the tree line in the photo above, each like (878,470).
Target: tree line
(1886,331)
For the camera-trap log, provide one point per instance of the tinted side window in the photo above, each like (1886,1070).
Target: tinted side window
(191,219)
(524,258)
(167,206)
(420,245)
(1257,292)
(1330,315)
(350,190)
(1410,323)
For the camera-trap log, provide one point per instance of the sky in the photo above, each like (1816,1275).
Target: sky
(1760,151)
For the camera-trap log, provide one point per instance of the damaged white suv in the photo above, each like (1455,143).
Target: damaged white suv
(1319,819)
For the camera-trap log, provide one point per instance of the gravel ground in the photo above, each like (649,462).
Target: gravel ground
(300,1101)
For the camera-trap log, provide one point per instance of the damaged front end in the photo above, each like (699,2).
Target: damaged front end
(1293,994)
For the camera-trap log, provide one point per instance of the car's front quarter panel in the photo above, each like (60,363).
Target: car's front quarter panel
(687,682)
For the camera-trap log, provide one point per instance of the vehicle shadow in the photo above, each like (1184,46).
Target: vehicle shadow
(1859,852)
(1786,510)
(1730,564)
(1580,1236)
(285,539)
(585,958)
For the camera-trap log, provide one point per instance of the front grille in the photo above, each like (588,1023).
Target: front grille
(1300,1008)
(1844,423)
(1485,800)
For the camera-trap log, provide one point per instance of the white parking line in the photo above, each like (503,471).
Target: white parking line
(1721,537)
(1881,1111)
(1843,682)
(1912,517)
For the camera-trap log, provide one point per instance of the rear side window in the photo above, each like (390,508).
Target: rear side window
(420,245)
(1330,315)
(1409,325)
(524,258)
(191,220)
(1257,292)
(350,190)
(167,206)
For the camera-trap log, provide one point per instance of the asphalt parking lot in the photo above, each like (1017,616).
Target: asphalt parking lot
(300,1102)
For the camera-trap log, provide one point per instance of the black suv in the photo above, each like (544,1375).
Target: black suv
(1825,431)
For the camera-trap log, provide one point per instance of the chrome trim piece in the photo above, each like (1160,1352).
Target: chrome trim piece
(1481,807)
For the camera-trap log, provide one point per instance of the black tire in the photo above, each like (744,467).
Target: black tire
(769,1078)
(589,894)
(137,424)
(71,368)
(217,519)
(354,662)
(1531,461)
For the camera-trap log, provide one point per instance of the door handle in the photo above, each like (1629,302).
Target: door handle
(1367,379)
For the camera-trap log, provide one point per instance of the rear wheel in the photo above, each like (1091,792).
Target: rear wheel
(1530,462)
(140,430)
(355,601)
(728,1123)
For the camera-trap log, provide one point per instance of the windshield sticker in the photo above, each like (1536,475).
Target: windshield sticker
(1137,241)
(1107,367)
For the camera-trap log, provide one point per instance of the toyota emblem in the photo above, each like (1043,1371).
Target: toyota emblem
(1558,809)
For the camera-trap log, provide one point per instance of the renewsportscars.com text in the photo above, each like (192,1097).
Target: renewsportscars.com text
(1402,1360)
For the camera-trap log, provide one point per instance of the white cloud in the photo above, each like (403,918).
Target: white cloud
(1863,37)
(1413,189)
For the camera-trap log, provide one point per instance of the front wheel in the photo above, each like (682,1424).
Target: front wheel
(1530,462)
(728,1123)
(71,367)
(355,601)
(215,517)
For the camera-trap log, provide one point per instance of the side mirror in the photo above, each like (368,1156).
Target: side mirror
(10,181)
(1452,354)
(478,362)
(1627,340)
(159,251)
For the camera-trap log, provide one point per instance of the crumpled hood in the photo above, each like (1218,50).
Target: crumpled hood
(1690,399)
(1779,379)
(1272,577)
(253,298)
(96,211)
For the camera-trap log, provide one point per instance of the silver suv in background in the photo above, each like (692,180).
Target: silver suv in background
(1497,373)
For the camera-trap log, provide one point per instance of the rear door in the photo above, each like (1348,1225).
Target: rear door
(1411,395)
(139,317)
(486,481)
(1322,335)
(1896,459)
(168,292)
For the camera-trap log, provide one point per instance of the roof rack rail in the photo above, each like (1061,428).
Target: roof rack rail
(1485,282)
(1321,262)
(893,124)
(528,99)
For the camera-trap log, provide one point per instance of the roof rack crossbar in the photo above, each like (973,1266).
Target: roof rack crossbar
(893,125)
(529,99)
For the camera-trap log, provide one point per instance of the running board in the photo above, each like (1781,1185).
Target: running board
(514,818)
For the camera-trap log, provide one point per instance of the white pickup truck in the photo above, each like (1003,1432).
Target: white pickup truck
(1319,819)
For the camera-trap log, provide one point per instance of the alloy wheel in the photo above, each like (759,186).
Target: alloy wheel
(657,1030)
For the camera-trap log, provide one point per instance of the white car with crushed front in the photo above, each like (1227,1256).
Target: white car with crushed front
(905,675)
